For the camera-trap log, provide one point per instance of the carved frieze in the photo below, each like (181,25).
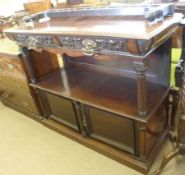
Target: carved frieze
(72,43)
(144,46)
(105,44)
(88,45)
(35,40)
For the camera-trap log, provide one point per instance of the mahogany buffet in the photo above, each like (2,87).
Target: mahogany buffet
(112,92)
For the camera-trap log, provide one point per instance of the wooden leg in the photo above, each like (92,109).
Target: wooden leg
(166,160)
(175,100)
(27,62)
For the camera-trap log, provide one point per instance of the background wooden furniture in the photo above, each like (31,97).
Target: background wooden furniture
(114,83)
(179,139)
(37,6)
(14,80)
(74,2)
(178,122)
(5,23)
(180,7)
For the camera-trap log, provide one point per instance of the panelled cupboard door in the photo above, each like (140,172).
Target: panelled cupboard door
(112,129)
(62,110)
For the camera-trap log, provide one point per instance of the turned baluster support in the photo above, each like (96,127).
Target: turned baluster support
(140,68)
(27,62)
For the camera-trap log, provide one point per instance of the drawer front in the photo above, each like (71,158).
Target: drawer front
(111,129)
(62,110)
(12,66)
(20,100)
(14,83)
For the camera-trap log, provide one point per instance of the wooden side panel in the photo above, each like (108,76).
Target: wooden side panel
(43,62)
(149,134)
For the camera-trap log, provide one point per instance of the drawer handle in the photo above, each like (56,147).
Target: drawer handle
(89,46)
(10,67)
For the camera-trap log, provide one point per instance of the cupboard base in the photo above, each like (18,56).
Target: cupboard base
(111,152)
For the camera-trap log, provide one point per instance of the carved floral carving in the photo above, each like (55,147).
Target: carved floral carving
(144,46)
(71,42)
(101,44)
(38,40)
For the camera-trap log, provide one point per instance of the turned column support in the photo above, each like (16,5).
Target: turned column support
(140,68)
(28,64)
(140,132)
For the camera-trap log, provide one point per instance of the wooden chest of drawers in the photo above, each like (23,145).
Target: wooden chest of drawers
(14,84)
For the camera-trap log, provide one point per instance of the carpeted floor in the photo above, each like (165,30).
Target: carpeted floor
(28,148)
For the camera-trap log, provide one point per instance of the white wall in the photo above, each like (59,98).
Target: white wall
(7,7)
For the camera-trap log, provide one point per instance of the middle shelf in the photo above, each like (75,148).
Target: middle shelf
(116,94)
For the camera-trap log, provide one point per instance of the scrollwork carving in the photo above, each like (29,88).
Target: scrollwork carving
(68,42)
(102,44)
(35,40)
(140,67)
(142,126)
(144,46)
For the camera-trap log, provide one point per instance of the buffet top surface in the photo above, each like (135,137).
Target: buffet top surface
(126,25)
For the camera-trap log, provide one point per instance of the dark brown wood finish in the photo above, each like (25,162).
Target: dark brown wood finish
(104,91)
(140,68)
(14,82)
(114,81)
(62,110)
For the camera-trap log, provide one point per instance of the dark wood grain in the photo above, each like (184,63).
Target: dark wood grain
(114,69)
(95,26)
(12,67)
(14,81)
(103,122)
(109,33)
(62,110)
